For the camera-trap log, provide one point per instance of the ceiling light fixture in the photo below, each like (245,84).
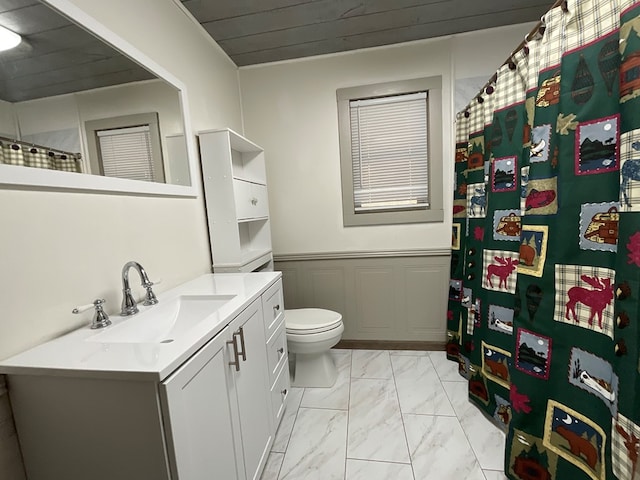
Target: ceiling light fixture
(8,39)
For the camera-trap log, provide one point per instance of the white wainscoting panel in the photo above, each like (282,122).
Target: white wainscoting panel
(381,296)
(327,284)
(375,301)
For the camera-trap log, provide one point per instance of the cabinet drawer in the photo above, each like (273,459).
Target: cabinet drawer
(272,308)
(251,200)
(276,351)
(280,394)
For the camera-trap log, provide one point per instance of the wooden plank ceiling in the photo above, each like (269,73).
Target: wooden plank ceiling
(259,31)
(56,56)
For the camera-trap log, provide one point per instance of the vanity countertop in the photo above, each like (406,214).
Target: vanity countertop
(81,353)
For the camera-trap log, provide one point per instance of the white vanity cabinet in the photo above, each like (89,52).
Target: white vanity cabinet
(213,416)
(277,354)
(235,187)
(251,384)
(202,417)
(217,404)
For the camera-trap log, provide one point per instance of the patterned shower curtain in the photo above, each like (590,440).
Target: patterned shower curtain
(545,272)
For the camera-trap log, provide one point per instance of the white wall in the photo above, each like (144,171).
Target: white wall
(290,110)
(7,124)
(51,121)
(64,249)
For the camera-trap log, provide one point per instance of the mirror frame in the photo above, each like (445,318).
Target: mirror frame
(27,178)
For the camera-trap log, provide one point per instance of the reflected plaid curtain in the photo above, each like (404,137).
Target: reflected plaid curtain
(17,153)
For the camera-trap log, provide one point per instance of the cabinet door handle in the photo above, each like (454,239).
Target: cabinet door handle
(234,342)
(276,309)
(244,351)
(284,392)
(254,201)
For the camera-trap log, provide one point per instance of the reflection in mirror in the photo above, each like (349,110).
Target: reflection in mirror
(71,102)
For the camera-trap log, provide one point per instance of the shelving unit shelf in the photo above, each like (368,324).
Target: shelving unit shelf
(235,187)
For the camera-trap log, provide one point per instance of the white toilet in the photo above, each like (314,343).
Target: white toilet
(311,332)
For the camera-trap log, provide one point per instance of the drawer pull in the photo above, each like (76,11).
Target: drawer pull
(254,201)
(284,392)
(244,351)
(276,309)
(281,350)
(236,361)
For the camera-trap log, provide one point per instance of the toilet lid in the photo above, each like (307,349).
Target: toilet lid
(311,320)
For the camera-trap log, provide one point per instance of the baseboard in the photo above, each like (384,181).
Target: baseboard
(390,345)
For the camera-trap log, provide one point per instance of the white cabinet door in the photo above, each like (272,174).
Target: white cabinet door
(200,404)
(252,390)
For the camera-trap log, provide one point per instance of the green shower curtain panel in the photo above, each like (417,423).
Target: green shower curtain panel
(545,271)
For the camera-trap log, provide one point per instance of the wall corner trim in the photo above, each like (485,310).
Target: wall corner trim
(422,252)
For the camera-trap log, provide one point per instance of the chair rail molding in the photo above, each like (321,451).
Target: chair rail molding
(431,252)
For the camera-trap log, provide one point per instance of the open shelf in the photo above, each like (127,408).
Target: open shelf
(234,178)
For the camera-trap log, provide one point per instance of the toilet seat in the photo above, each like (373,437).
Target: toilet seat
(304,321)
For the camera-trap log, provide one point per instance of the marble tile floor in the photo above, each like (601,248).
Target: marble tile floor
(401,415)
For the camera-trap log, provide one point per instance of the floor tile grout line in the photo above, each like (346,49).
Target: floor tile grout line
(436,369)
(346,439)
(378,461)
(350,378)
(404,428)
(465,432)
(281,463)
(289,437)
(325,408)
(437,384)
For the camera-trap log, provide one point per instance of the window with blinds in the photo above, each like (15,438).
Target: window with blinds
(127,153)
(389,153)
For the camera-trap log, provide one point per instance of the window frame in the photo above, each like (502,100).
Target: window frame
(435,211)
(92,127)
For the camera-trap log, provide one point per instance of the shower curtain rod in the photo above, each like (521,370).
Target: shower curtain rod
(539,28)
(35,145)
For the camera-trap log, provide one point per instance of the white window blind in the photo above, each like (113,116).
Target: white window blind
(389,152)
(126,153)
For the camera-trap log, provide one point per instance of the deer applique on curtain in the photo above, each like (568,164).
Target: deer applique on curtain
(544,309)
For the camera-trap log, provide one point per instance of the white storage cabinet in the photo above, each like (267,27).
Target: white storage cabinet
(235,187)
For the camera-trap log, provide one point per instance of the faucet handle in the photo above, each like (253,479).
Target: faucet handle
(150,297)
(100,318)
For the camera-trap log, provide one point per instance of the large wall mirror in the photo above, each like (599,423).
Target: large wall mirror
(79,112)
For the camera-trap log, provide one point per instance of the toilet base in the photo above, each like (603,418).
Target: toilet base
(314,370)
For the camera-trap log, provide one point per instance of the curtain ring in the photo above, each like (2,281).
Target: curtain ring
(543,25)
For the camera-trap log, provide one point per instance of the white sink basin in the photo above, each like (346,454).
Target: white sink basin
(164,322)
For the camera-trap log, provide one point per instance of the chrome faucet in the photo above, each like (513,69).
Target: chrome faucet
(129,306)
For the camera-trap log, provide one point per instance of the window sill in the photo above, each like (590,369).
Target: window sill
(392,218)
